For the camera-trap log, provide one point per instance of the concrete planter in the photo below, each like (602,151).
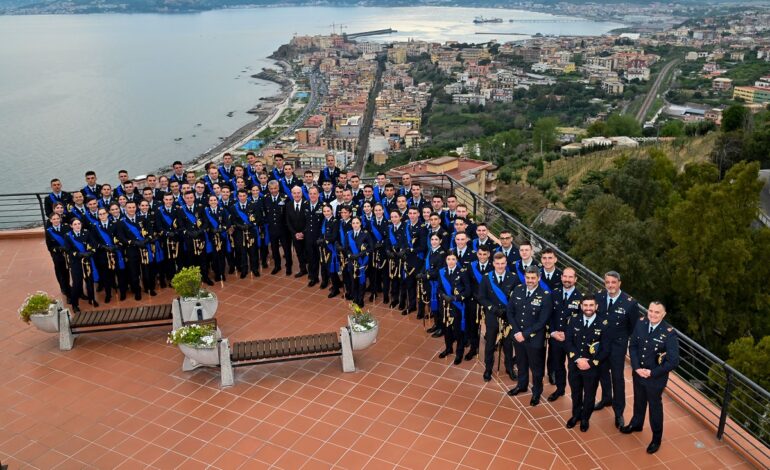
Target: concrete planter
(363,339)
(208,305)
(200,356)
(47,322)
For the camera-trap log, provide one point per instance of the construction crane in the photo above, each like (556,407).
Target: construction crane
(334,27)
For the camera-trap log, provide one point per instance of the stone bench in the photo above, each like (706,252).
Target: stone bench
(114,319)
(294,348)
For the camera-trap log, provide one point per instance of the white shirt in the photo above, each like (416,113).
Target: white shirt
(588,321)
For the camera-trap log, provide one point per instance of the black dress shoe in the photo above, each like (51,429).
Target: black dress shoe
(534,401)
(243,274)
(385,299)
(122,296)
(653,447)
(393,304)
(432,329)
(458,360)
(555,395)
(333,294)
(76,309)
(512,374)
(628,429)
(94,303)
(438,333)
(471,354)
(276,270)
(571,422)
(107,300)
(601,404)
(153,293)
(404,312)
(421,315)
(348,296)
(619,422)
(83,297)
(312,283)
(288,272)
(444,353)
(515,391)
(583,426)
(208,282)
(255,273)
(401,306)
(487,376)
(371,297)
(162,284)
(324,284)
(300,274)
(138,296)
(264,265)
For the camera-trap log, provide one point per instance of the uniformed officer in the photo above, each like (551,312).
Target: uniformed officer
(507,248)
(330,262)
(358,248)
(245,221)
(588,345)
(482,234)
(275,220)
(455,288)
(216,225)
(413,256)
(528,312)
(474,312)
(56,195)
(494,295)
(109,257)
(654,351)
(135,239)
(622,312)
(378,227)
(566,304)
(81,264)
(550,274)
(165,232)
(191,230)
(56,243)
(525,260)
(330,173)
(394,243)
(428,284)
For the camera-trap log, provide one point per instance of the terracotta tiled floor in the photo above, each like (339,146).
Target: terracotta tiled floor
(120,400)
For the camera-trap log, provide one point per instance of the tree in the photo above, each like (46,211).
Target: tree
(673,128)
(610,237)
(719,262)
(623,124)
(735,117)
(645,184)
(544,134)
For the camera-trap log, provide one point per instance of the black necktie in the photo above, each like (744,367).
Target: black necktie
(609,305)
(566,296)
(585,323)
(450,271)
(651,328)
(499,279)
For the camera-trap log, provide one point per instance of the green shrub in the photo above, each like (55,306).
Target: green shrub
(187,282)
(35,303)
(194,335)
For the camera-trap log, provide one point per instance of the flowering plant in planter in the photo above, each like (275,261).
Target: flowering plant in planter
(35,304)
(362,320)
(196,336)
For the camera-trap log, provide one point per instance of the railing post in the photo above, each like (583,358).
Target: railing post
(42,210)
(725,403)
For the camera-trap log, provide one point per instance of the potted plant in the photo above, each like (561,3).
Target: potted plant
(363,327)
(198,342)
(42,310)
(192,298)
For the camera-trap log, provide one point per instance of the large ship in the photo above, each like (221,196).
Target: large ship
(481,19)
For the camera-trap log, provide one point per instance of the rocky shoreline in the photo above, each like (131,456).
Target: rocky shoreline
(266,111)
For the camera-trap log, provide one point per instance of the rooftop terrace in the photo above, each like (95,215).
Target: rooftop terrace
(120,399)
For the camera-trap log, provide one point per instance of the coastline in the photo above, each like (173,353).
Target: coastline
(267,111)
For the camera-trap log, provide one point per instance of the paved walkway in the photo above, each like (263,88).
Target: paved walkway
(120,399)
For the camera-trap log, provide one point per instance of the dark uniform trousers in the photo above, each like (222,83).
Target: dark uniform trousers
(589,342)
(492,321)
(659,352)
(529,315)
(563,309)
(460,290)
(473,309)
(622,316)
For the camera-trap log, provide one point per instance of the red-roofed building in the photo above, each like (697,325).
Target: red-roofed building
(479,176)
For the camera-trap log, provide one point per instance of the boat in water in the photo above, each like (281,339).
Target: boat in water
(481,19)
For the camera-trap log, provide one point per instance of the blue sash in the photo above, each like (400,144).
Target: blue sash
(448,291)
(225,176)
(245,218)
(285,186)
(56,237)
(92,219)
(305,193)
(87,192)
(375,230)
(277,174)
(452,240)
(215,223)
(392,237)
(433,286)
(104,205)
(377,196)
(409,238)
(80,247)
(107,238)
(334,261)
(166,218)
(475,271)
(519,272)
(119,189)
(364,261)
(496,289)
(447,220)
(343,235)
(136,233)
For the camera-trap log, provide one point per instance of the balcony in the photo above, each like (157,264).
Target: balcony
(121,399)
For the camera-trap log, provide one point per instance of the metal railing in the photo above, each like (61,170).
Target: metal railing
(736,406)
(22,210)
(725,398)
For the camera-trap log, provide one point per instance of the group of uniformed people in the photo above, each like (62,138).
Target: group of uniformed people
(377,241)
